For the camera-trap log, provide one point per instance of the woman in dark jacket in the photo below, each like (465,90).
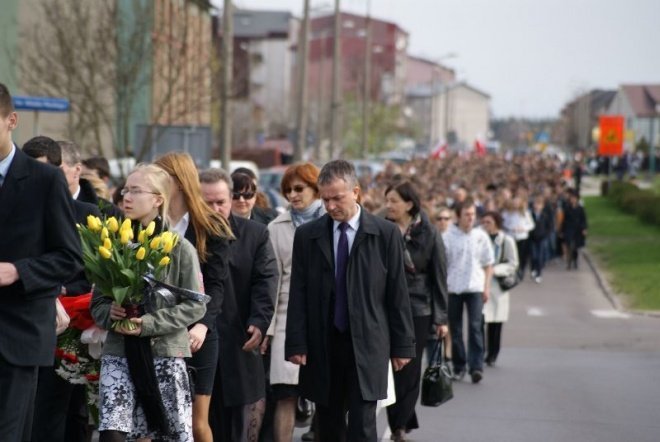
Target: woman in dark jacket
(426,275)
(573,229)
(209,232)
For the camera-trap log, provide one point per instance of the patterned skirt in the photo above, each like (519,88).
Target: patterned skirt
(121,411)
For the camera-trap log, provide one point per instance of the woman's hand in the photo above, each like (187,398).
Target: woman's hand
(117,312)
(197,335)
(255,338)
(135,332)
(441,330)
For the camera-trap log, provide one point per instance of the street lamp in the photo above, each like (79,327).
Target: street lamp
(433,134)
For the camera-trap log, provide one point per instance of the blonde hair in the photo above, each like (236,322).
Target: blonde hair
(205,221)
(159,183)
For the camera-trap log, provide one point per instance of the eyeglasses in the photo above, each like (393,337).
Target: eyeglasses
(298,189)
(245,195)
(135,191)
(442,218)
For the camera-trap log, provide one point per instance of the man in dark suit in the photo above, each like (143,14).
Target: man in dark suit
(60,412)
(247,310)
(39,250)
(349,312)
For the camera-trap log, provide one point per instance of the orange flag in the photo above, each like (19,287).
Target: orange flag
(611,135)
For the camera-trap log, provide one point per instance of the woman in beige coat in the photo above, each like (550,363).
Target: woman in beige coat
(300,189)
(496,310)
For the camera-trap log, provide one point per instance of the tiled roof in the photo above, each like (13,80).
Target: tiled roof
(643,98)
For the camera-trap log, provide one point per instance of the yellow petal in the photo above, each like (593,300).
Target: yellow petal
(142,236)
(140,253)
(126,225)
(107,243)
(167,245)
(164,261)
(150,228)
(155,243)
(104,234)
(125,236)
(105,253)
(112,224)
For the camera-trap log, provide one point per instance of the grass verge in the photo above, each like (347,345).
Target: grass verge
(628,251)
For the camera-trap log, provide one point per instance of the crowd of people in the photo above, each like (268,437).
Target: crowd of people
(332,301)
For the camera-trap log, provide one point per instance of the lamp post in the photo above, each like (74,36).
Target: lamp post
(303,60)
(434,135)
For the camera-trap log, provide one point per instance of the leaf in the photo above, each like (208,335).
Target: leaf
(119,294)
(128,273)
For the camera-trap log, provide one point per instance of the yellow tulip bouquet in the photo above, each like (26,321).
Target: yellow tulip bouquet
(117,265)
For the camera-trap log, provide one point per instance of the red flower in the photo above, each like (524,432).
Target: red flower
(69,357)
(77,307)
(92,377)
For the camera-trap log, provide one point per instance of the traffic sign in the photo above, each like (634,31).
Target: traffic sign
(611,135)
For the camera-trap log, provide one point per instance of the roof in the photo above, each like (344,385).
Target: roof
(345,15)
(643,98)
(261,24)
(425,90)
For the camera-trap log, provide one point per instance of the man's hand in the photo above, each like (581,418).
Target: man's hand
(197,335)
(441,330)
(254,340)
(264,345)
(486,295)
(298,359)
(399,363)
(8,274)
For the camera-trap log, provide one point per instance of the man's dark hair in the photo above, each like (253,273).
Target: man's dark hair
(338,169)
(41,146)
(496,217)
(99,164)
(6,104)
(466,203)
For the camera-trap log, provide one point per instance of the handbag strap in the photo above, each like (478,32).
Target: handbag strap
(438,350)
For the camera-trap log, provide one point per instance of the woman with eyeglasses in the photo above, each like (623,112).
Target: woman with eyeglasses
(209,232)
(496,310)
(426,277)
(144,386)
(244,198)
(300,190)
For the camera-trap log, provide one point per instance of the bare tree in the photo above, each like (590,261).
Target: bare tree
(107,56)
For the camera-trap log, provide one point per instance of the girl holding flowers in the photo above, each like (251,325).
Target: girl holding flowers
(144,385)
(209,232)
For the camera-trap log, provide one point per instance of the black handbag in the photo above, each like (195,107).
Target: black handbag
(508,282)
(437,382)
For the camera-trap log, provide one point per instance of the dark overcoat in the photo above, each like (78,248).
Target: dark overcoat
(249,298)
(38,235)
(380,318)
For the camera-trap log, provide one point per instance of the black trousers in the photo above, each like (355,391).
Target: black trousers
(493,340)
(18,386)
(345,397)
(401,414)
(60,410)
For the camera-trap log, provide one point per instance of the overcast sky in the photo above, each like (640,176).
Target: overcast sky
(531,56)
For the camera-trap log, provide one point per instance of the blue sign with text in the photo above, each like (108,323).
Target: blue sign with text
(41,104)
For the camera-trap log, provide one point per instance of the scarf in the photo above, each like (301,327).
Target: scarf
(310,213)
(408,263)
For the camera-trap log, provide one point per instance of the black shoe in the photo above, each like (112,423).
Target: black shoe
(477,376)
(459,374)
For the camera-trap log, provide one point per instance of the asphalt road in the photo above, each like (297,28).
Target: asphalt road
(571,368)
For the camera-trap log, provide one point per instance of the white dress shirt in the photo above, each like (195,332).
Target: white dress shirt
(467,255)
(353,225)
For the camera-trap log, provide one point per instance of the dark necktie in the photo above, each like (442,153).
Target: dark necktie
(341,297)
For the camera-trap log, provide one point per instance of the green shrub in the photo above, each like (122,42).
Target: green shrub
(631,199)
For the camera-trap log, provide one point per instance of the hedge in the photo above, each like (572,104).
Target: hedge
(641,202)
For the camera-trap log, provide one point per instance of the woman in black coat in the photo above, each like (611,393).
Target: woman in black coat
(573,229)
(210,233)
(426,275)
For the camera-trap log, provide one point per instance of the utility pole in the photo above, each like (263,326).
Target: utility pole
(303,61)
(364,146)
(227,65)
(335,117)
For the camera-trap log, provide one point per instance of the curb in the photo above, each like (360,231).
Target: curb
(609,293)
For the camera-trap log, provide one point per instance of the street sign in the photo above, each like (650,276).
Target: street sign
(46,104)
(611,135)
